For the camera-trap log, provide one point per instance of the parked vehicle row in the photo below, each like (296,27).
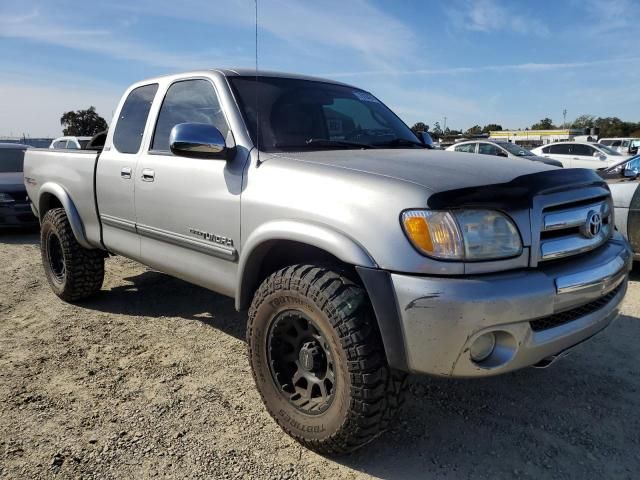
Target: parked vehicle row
(580,154)
(500,149)
(622,145)
(15,209)
(360,254)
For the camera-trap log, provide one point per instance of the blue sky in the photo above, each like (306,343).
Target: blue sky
(474,61)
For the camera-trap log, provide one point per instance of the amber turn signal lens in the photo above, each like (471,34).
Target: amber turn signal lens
(418,230)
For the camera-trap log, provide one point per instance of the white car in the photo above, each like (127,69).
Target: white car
(580,154)
(500,149)
(74,143)
(623,145)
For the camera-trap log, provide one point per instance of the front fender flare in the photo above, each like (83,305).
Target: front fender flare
(70,209)
(321,236)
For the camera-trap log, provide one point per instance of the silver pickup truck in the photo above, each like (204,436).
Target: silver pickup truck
(359,254)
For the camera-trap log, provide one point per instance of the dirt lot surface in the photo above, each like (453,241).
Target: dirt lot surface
(150,379)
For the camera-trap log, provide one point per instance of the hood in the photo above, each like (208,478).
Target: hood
(12,182)
(437,170)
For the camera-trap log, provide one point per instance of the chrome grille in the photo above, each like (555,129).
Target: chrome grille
(565,229)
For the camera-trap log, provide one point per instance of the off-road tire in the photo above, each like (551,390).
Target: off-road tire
(83,269)
(368,393)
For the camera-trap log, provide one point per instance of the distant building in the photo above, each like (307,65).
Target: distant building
(531,138)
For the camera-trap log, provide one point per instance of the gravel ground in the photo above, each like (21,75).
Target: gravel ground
(150,379)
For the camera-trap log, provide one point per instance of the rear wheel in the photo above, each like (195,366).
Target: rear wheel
(73,272)
(318,360)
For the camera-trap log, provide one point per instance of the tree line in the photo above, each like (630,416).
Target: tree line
(609,127)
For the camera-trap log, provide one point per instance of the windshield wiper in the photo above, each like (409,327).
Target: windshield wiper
(401,142)
(325,142)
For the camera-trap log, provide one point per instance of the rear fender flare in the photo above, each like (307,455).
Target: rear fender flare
(70,209)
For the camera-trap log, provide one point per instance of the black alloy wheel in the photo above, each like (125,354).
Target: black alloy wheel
(301,362)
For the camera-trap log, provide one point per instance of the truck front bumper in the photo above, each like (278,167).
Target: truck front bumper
(534,315)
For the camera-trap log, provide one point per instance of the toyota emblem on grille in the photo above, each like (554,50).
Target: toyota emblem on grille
(593,225)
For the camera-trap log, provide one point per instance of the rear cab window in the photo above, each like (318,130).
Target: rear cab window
(132,120)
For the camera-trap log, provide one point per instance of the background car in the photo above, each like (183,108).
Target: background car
(623,179)
(500,149)
(623,145)
(580,154)
(15,210)
(74,143)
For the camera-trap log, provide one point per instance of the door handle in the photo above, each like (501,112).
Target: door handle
(125,172)
(148,175)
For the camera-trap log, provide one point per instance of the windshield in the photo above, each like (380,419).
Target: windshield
(516,150)
(607,150)
(310,115)
(11,160)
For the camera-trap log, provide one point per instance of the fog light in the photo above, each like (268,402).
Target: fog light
(482,347)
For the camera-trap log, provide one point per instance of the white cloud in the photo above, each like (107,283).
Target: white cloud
(611,16)
(354,26)
(370,34)
(517,67)
(38,28)
(493,16)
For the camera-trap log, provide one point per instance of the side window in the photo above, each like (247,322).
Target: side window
(188,101)
(71,145)
(560,149)
(585,150)
(466,148)
(546,150)
(616,143)
(133,117)
(487,149)
(60,144)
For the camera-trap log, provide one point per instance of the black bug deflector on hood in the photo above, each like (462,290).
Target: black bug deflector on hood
(519,192)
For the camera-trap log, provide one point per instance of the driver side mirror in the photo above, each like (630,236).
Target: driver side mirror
(599,156)
(198,140)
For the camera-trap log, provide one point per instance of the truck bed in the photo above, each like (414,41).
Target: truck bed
(74,169)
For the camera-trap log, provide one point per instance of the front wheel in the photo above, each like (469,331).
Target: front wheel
(318,360)
(73,272)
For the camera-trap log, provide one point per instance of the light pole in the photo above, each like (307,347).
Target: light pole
(564,118)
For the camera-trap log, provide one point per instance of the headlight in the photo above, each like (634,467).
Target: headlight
(5,198)
(462,234)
